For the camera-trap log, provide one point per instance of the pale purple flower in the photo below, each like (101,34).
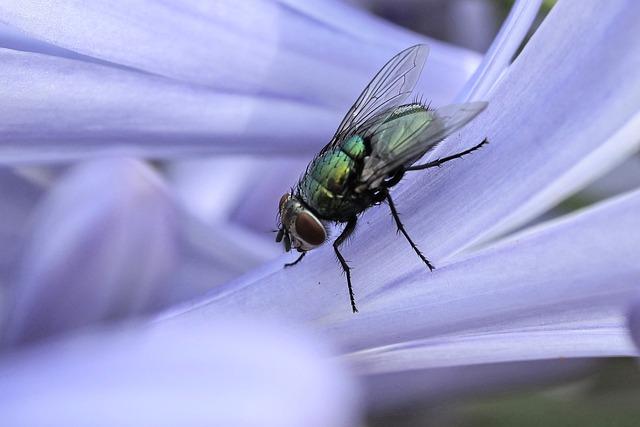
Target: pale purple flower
(179,375)
(114,238)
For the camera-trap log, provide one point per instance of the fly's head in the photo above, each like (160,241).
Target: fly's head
(299,228)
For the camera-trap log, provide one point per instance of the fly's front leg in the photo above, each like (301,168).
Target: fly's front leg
(439,162)
(401,229)
(346,232)
(291,264)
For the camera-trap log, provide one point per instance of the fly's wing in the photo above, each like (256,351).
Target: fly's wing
(395,143)
(388,89)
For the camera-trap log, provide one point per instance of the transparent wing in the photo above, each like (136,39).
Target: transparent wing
(388,89)
(387,156)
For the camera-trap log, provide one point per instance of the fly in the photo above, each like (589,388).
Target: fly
(378,141)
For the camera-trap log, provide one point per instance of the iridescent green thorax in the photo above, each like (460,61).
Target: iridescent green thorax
(327,185)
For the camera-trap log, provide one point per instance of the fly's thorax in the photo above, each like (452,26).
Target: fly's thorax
(300,225)
(354,147)
(327,186)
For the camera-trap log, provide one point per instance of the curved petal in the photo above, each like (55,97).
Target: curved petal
(502,51)
(56,108)
(234,373)
(285,82)
(530,282)
(560,118)
(555,293)
(558,342)
(548,135)
(251,47)
(571,276)
(102,245)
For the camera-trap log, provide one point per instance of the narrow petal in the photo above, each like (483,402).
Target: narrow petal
(502,51)
(56,108)
(234,373)
(252,47)
(526,344)
(560,118)
(101,248)
(14,39)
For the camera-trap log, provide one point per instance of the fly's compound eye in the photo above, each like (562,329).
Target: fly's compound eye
(310,229)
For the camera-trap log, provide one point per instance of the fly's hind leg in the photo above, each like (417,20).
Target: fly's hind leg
(439,162)
(401,229)
(291,264)
(346,232)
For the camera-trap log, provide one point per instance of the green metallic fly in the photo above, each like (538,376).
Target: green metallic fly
(378,141)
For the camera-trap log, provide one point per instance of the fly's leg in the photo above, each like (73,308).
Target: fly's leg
(393,180)
(401,229)
(346,232)
(291,264)
(439,162)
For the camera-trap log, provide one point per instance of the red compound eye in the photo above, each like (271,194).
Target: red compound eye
(309,229)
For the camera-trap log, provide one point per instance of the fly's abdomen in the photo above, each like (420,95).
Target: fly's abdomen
(327,185)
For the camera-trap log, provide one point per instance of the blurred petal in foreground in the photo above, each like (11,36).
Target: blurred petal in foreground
(233,373)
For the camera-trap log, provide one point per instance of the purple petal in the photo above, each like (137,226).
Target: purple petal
(55,108)
(634,322)
(259,47)
(560,118)
(214,254)
(549,279)
(244,186)
(232,373)
(549,134)
(294,70)
(391,390)
(547,282)
(11,38)
(18,197)
(625,177)
(527,343)
(502,51)
(558,292)
(101,248)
